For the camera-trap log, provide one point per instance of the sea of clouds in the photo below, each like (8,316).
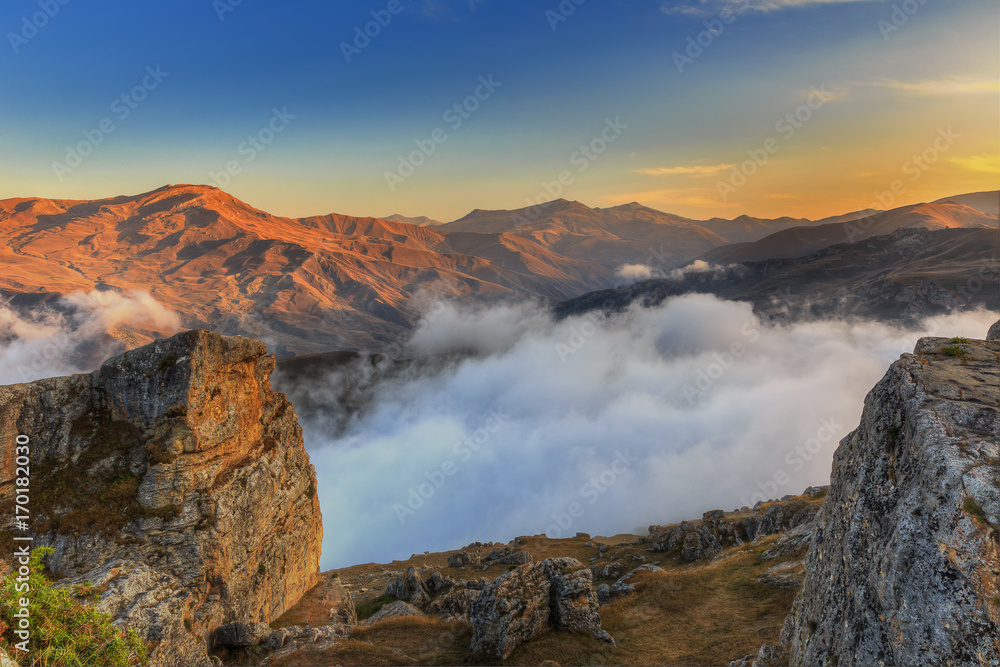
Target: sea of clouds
(595,424)
(601,424)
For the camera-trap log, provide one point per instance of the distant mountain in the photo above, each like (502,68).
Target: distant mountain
(802,240)
(419,221)
(326,282)
(903,276)
(628,234)
(307,285)
(985,202)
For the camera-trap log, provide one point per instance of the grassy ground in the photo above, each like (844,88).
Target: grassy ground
(700,613)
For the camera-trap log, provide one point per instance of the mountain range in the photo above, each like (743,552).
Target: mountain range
(332,281)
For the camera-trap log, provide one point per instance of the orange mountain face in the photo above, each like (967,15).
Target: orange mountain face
(337,282)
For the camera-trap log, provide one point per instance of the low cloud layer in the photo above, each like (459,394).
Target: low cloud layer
(73,335)
(596,425)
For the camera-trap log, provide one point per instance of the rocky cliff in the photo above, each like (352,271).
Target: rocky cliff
(903,567)
(176,481)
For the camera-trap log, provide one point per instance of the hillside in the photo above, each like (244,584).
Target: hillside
(309,285)
(803,240)
(903,277)
(335,282)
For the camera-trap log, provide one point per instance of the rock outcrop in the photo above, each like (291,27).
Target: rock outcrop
(533,598)
(178,478)
(903,566)
(718,530)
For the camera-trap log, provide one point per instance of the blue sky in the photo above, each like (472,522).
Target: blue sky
(889,88)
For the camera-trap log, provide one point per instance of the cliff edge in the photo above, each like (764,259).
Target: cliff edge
(903,567)
(176,481)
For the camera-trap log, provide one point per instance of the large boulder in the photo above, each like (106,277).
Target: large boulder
(410,588)
(180,458)
(533,598)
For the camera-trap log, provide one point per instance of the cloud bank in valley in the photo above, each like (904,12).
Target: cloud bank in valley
(594,424)
(73,336)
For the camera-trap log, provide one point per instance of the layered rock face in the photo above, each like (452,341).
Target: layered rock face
(176,475)
(903,567)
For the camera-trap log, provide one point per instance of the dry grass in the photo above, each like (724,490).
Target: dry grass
(704,615)
(398,641)
(699,613)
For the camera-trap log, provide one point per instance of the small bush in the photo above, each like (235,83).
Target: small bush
(953,351)
(959,339)
(64,630)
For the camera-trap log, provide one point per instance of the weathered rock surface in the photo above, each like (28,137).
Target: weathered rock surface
(994,332)
(241,634)
(455,605)
(177,465)
(397,609)
(552,594)
(624,586)
(718,530)
(784,575)
(795,540)
(6,660)
(410,588)
(903,567)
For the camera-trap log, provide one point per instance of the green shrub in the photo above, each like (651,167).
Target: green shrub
(64,630)
(368,608)
(953,351)
(959,339)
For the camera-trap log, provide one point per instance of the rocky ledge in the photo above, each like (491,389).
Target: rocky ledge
(903,566)
(175,479)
